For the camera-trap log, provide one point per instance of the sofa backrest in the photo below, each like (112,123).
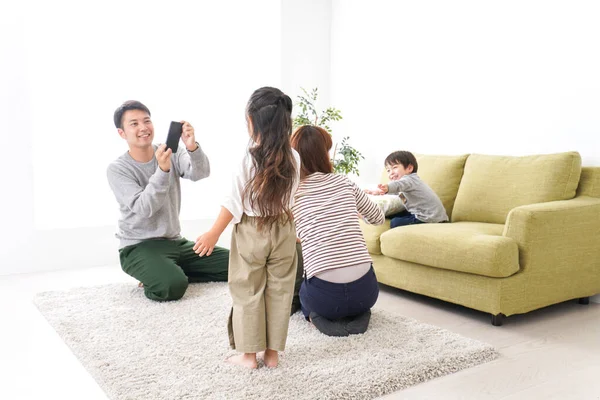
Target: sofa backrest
(589,183)
(491,186)
(442,174)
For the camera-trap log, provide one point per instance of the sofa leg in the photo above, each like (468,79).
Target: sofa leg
(584,300)
(497,319)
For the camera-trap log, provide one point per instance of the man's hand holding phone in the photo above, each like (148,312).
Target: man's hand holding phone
(163,156)
(181,130)
(188,136)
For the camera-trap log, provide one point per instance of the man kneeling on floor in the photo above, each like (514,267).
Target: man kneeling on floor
(145,182)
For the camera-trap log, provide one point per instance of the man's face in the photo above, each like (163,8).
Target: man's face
(137,130)
(397,171)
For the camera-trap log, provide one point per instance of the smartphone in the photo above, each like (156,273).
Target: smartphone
(174,135)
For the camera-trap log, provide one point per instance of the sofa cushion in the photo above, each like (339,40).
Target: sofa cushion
(491,186)
(473,247)
(390,204)
(371,233)
(442,174)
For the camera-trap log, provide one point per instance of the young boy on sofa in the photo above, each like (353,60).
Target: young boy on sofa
(421,203)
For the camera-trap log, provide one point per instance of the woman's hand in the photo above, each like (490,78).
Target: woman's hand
(376,192)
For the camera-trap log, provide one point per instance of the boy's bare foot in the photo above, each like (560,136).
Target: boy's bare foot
(247,360)
(271,358)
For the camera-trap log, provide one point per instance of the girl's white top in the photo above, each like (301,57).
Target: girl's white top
(245,171)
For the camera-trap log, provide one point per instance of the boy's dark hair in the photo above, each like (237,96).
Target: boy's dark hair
(128,105)
(405,158)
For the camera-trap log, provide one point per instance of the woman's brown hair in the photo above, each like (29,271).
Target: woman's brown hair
(313,144)
(269,191)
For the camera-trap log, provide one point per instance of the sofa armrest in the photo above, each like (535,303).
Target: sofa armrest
(558,237)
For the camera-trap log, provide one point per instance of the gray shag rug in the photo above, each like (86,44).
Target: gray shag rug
(139,349)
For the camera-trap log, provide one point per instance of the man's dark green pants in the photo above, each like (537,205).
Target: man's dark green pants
(165,267)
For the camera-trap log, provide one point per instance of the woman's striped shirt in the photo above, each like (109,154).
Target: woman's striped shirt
(326,210)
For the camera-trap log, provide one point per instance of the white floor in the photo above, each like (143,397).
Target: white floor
(552,353)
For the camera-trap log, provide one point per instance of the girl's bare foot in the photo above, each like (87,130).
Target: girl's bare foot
(247,360)
(271,358)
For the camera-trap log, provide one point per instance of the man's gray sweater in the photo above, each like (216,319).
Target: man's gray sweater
(149,198)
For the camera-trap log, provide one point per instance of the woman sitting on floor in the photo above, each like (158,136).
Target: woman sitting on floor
(339,286)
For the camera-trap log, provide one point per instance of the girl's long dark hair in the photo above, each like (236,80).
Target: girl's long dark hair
(269,112)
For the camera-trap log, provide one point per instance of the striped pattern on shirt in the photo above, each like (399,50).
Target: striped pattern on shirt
(326,208)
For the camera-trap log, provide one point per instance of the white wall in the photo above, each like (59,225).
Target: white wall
(69,65)
(306,48)
(454,77)
(16,173)
(66,66)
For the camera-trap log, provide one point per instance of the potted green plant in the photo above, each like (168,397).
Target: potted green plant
(345,161)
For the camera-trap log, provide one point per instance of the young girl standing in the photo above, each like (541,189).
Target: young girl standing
(262,259)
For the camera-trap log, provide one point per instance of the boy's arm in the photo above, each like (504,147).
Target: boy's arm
(404,184)
(142,201)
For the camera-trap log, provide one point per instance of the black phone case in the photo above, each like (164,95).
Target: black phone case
(174,135)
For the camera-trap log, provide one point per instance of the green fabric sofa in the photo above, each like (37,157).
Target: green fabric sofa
(524,233)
